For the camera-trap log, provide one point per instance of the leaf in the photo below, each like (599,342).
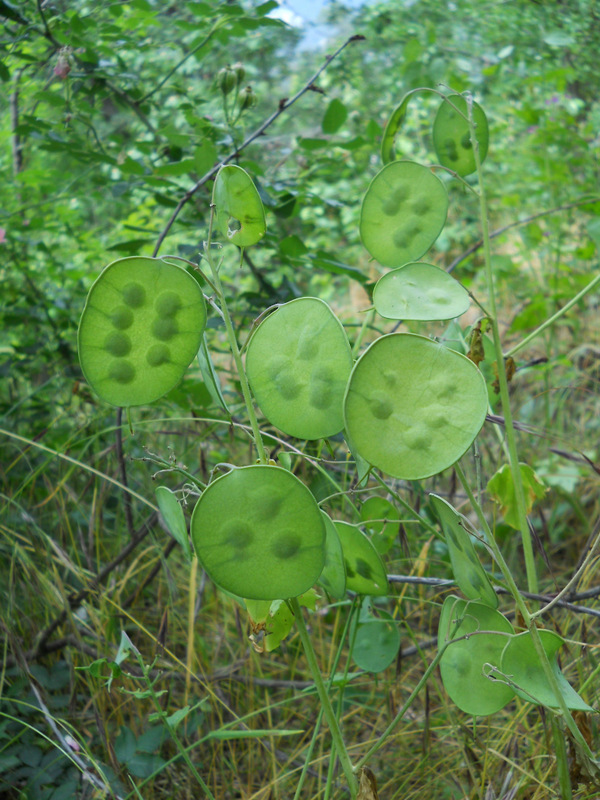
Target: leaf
(367,785)
(258,733)
(593,229)
(335,116)
(558,39)
(377,643)
(183,167)
(177,717)
(391,129)
(521,665)
(310,144)
(501,488)
(10,11)
(506,51)
(126,646)
(205,156)
(470,576)
(210,376)
(323,260)
(173,516)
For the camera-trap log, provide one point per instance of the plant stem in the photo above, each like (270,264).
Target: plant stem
(334,667)
(511,440)
(551,320)
(391,727)
(529,621)
(170,728)
(190,628)
(367,320)
(564,778)
(235,350)
(334,727)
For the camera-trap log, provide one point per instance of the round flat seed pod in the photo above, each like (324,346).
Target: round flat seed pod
(377,643)
(333,577)
(240,212)
(365,572)
(419,291)
(412,406)
(451,136)
(466,663)
(298,363)
(141,327)
(403,213)
(259,533)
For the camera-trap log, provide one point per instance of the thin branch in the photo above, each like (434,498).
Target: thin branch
(180,63)
(171,544)
(474,248)
(17,147)
(47,31)
(284,104)
(76,600)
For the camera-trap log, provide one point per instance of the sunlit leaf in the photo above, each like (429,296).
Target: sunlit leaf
(413,407)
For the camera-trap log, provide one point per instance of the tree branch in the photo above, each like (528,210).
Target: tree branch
(284,104)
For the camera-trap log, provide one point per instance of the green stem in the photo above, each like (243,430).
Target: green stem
(178,743)
(398,718)
(551,320)
(367,320)
(334,727)
(189,662)
(418,518)
(511,439)
(562,763)
(492,544)
(235,350)
(334,667)
(529,621)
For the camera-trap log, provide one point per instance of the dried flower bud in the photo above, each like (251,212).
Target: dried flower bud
(62,67)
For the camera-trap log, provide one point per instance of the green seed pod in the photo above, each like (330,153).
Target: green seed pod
(226,80)
(247,98)
(240,72)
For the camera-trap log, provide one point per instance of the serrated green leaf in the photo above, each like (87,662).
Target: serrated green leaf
(501,488)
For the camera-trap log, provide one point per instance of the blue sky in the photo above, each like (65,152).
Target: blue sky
(305,14)
(298,12)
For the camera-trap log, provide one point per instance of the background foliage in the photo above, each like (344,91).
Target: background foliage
(110,112)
